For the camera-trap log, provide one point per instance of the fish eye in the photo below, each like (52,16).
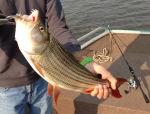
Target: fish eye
(41,28)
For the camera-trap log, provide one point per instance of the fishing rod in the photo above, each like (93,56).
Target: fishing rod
(133,81)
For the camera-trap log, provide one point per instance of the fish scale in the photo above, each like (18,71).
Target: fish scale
(48,57)
(74,66)
(55,66)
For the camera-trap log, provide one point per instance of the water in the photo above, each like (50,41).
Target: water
(84,15)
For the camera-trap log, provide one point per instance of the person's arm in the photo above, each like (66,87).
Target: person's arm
(57,26)
(5,21)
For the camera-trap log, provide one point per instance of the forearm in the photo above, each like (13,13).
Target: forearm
(57,26)
(79,55)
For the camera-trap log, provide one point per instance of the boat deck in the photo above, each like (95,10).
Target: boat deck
(136,48)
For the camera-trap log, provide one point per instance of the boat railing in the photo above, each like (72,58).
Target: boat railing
(92,36)
(99,32)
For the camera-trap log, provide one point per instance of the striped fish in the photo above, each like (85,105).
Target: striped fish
(48,58)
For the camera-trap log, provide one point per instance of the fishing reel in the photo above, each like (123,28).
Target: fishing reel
(132,84)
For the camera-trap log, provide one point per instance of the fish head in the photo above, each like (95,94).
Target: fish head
(30,34)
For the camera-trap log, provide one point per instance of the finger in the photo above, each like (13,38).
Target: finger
(100,92)
(109,91)
(95,91)
(6,22)
(3,21)
(106,92)
(113,83)
(10,23)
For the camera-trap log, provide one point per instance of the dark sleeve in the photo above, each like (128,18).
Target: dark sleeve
(1,15)
(57,26)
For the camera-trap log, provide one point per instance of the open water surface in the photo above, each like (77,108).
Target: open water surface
(84,15)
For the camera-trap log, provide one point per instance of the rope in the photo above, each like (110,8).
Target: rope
(102,57)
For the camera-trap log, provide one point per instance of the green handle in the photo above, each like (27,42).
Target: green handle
(86,60)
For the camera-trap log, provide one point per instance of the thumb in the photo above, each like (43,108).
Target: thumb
(113,83)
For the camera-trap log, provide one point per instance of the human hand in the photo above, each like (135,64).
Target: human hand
(102,91)
(5,21)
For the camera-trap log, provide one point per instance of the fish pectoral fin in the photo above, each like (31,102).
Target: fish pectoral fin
(38,68)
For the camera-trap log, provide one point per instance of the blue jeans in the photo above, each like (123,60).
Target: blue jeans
(34,96)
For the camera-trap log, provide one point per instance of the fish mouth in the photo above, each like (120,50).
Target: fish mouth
(33,17)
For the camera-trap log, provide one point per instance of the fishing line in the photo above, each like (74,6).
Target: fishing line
(135,79)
